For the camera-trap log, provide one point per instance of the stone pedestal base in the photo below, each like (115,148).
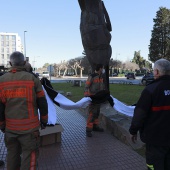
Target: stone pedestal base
(50,135)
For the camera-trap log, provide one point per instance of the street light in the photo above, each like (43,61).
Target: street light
(34,63)
(25,43)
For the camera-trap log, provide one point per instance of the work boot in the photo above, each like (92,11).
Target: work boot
(89,133)
(1,163)
(97,128)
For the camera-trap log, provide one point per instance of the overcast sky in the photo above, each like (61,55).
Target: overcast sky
(53,33)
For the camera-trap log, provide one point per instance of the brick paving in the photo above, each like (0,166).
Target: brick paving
(78,152)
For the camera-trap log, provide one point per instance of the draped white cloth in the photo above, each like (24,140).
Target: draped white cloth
(70,105)
(122,108)
(52,117)
(67,104)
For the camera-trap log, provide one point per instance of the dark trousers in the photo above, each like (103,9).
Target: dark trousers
(157,158)
(22,150)
(93,114)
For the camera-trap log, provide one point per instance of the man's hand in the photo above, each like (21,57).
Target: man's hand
(134,138)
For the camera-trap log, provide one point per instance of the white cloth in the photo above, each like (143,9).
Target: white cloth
(70,105)
(67,104)
(52,118)
(122,108)
(85,101)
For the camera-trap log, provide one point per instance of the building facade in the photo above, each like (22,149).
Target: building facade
(9,42)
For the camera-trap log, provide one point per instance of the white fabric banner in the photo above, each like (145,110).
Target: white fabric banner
(122,108)
(67,104)
(85,101)
(52,117)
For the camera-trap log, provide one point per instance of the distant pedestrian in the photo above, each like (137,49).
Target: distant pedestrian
(152,118)
(21,96)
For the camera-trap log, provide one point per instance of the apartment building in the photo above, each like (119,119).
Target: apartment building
(9,42)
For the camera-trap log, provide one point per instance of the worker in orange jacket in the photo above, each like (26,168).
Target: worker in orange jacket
(94,84)
(21,95)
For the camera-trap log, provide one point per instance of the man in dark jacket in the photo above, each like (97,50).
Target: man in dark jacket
(152,118)
(21,95)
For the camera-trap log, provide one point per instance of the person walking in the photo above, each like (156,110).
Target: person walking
(21,96)
(152,118)
(93,86)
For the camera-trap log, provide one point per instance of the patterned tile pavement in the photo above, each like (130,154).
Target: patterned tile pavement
(78,152)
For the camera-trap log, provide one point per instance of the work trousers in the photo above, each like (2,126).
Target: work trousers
(157,158)
(22,150)
(93,115)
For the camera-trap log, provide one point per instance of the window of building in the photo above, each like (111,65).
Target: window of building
(7,37)
(2,43)
(2,56)
(13,43)
(13,49)
(2,37)
(8,56)
(7,43)
(2,50)
(13,37)
(7,50)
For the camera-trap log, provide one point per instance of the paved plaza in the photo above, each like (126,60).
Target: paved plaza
(78,152)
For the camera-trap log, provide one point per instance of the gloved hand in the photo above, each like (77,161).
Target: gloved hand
(46,82)
(49,89)
(100,97)
(43,125)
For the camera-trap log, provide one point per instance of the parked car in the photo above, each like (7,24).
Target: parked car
(130,76)
(114,75)
(45,74)
(147,79)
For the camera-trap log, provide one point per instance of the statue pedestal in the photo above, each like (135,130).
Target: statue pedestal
(50,135)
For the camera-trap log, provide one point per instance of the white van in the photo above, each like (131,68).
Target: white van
(45,74)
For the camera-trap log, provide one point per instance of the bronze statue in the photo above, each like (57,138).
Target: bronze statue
(95,28)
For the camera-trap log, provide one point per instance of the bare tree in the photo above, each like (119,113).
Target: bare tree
(63,66)
(130,66)
(75,64)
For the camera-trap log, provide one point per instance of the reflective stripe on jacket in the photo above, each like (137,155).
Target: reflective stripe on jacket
(94,84)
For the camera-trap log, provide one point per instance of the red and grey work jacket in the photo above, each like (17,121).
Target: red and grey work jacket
(94,84)
(22,95)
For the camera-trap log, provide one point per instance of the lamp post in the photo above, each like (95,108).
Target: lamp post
(25,43)
(34,63)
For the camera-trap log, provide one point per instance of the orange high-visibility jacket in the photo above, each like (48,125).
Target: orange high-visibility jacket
(21,95)
(94,84)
